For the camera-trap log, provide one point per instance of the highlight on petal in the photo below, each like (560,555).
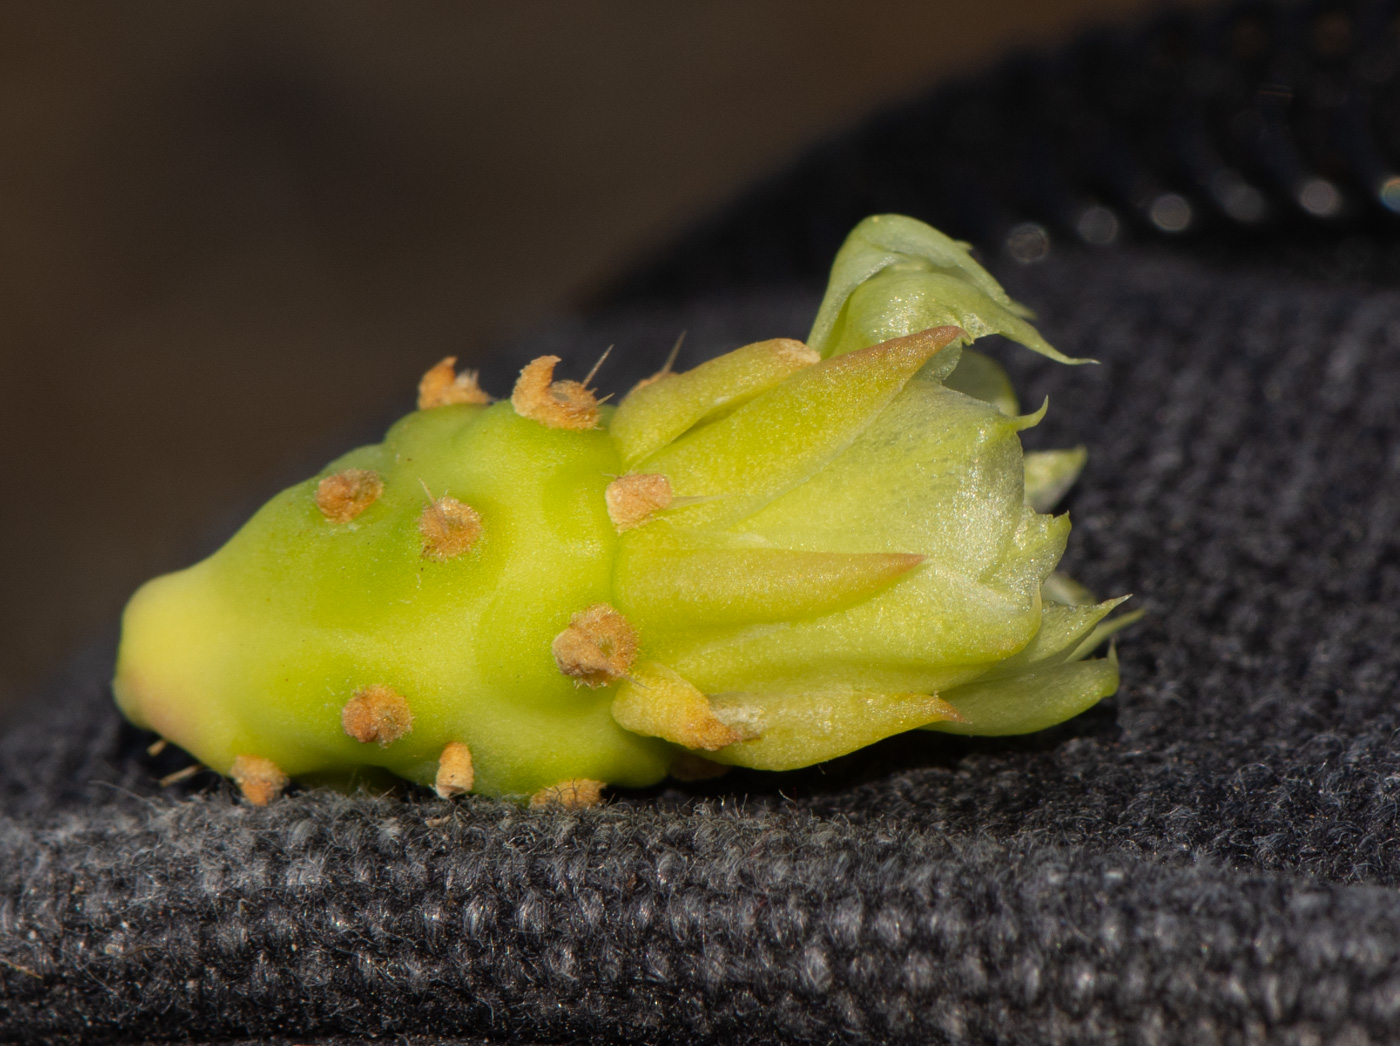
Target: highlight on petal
(1035,547)
(937,473)
(742,586)
(791,730)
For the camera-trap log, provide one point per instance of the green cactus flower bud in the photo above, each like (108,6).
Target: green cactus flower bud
(782,555)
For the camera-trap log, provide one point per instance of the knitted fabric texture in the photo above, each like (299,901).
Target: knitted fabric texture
(1210,856)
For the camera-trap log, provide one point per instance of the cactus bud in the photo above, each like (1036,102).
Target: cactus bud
(784,554)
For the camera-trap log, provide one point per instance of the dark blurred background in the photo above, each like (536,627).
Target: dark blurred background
(231,232)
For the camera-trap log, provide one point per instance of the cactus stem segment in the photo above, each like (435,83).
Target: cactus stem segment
(442,386)
(455,775)
(597,648)
(448,528)
(377,714)
(345,494)
(657,702)
(574,793)
(803,548)
(554,404)
(634,498)
(261,780)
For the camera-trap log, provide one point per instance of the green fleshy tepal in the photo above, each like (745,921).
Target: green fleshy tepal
(895,275)
(775,558)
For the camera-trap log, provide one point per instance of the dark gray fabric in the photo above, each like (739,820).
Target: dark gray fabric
(1211,856)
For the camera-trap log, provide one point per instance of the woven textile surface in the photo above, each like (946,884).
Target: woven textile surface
(1211,856)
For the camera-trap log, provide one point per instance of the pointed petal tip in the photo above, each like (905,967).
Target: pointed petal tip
(1030,421)
(930,340)
(921,345)
(903,562)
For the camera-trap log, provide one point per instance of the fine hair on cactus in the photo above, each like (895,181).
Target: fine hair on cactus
(782,555)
